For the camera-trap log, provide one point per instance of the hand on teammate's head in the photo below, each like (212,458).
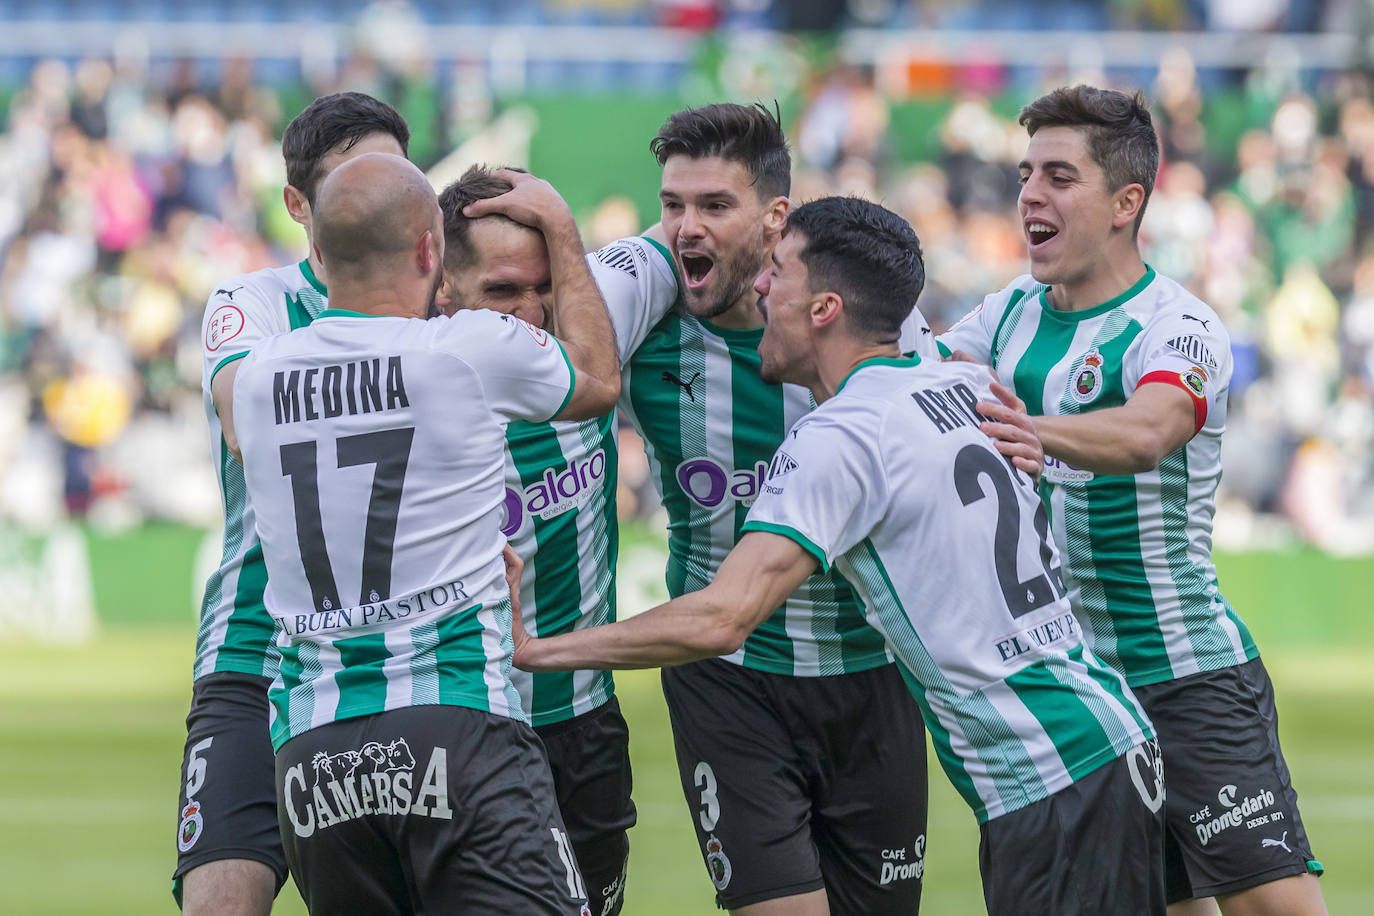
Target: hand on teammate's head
(531,201)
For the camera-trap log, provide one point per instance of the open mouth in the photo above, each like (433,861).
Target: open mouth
(696,268)
(1040,233)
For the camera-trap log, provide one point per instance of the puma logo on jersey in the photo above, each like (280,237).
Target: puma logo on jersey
(1199,321)
(1267,843)
(228,292)
(685,386)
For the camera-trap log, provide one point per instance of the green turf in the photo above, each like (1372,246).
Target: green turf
(90,744)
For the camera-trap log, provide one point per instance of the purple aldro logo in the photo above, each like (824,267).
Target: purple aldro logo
(707,482)
(553,494)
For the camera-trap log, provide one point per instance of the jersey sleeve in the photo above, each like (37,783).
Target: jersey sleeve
(824,490)
(238,316)
(1189,351)
(525,373)
(638,282)
(974,333)
(916,336)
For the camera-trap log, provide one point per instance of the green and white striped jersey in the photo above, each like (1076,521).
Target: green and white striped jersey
(1137,548)
(235,629)
(710,426)
(560,495)
(893,482)
(374,451)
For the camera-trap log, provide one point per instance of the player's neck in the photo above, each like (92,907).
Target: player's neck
(837,361)
(742,316)
(315,266)
(1109,278)
(379,300)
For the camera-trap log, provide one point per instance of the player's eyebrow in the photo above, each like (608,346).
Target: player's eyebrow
(1057,164)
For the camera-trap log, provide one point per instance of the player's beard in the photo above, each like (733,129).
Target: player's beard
(735,275)
(432,310)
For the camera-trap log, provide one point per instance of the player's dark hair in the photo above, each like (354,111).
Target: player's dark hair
(867,254)
(333,122)
(748,134)
(477,183)
(1121,135)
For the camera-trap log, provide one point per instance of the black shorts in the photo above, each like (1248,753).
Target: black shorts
(1094,847)
(227,805)
(802,783)
(590,759)
(1232,813)
(432,809)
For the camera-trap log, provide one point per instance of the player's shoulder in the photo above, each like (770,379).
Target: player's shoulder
(989,311)
(632,254)
(1167,304)
(260,287)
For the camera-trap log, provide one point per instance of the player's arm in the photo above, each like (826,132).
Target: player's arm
(222,393)
(1130,439)
(756,577)
(584,327)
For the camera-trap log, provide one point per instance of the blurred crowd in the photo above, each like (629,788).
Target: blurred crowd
(125,197)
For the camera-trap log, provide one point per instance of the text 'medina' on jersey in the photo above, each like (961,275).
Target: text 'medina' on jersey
(710,426)
(559,509)
(1137,548)
(893,482)
(374,450)
(235,629)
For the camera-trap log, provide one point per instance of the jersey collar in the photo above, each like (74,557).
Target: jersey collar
(901,362)
(313,280)
(1096,310)
(343,313)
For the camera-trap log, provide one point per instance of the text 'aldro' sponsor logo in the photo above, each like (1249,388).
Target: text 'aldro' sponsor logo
(707,482)
(374,779)
(1085,378)
(1059,471)
(1251,811)
(554,493)
(902,864)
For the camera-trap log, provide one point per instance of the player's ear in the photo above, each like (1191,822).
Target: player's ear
(443,296)
(1128,202)
(775,216)
(427,253)
(296,205)
(826,309)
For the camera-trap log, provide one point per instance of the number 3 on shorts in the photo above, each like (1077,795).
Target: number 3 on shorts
(705,780)
(574,877)
(195,767)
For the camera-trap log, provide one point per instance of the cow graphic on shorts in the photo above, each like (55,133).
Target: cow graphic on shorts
(380,758)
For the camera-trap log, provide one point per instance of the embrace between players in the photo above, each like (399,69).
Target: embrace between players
(860,542)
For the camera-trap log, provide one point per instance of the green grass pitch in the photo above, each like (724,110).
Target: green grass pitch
(91,736)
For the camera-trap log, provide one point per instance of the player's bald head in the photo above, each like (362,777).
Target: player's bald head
(369,214)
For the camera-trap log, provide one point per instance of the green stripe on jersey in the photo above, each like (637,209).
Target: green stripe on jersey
(362,682)
(710,427)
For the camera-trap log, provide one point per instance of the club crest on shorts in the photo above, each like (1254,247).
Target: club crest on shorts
(192,825)
(1085,382)
(718,863)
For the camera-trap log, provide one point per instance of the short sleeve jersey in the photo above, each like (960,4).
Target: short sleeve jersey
(235,629)
(710,426)
(1137,548)
(559,509)
(374,452)
(893,483)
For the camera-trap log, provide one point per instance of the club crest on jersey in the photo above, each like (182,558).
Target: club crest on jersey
(1085,383)
(1196,381)
(192,826)
(226,323)
(718,863)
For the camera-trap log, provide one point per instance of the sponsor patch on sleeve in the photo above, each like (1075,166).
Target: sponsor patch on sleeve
(621,256)
(226,323)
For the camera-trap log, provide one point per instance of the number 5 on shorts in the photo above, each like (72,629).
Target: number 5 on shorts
(574,877)
(195,767)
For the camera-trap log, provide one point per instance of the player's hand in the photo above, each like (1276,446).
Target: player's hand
(959,356)
(1013,431)
(531,201)
(514,567)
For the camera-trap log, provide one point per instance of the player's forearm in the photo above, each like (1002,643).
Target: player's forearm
(683,630)
(580,314)
(1110,441)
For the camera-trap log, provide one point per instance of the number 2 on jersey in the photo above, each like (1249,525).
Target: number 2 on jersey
(972,464)
(389,450)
